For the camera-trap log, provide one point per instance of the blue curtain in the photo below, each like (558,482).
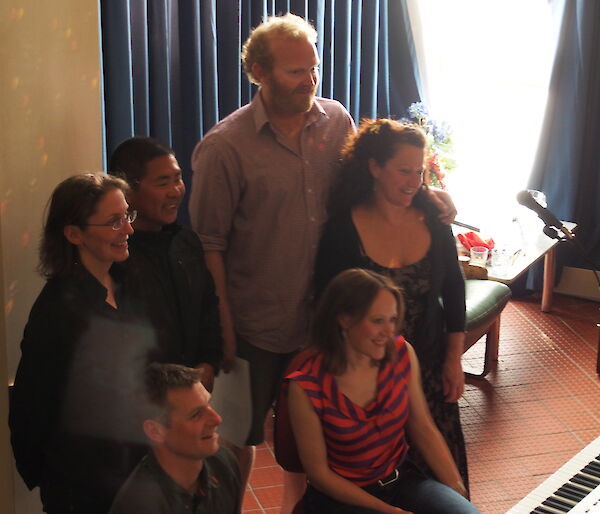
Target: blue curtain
(172,67)
(567,166)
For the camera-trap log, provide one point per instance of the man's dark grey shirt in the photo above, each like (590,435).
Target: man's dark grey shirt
(151,491)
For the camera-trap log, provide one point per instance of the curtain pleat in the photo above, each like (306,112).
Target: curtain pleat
(567,166)
(342,47)
(172,67)
(138,20)
(117,66)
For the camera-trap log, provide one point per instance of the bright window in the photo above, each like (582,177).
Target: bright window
(486,67)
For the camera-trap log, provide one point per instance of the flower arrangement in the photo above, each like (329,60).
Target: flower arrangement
(439,162)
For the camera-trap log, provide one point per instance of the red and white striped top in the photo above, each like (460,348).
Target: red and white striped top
(363,444)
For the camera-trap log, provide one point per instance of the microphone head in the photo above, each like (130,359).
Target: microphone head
(524,198)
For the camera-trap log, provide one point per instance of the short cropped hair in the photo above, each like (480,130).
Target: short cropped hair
(351,293)
(256,49)
(159,380)
(73,202)
(130,158)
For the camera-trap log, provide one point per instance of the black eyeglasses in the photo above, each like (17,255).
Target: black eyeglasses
(118,223)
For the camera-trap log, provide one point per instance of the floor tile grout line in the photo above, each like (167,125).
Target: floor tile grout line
(554,345)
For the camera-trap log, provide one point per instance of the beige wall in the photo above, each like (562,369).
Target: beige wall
(50,128)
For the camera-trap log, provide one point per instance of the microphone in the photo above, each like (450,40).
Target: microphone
(524,198)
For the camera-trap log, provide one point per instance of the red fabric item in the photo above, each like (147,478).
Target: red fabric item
(471,239)
(284,442)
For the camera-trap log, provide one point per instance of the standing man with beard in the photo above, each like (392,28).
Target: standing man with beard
(261,181)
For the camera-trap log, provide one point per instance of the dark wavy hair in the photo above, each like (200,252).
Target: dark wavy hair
(375,139)
(130,158)
(351,293)
(73,201)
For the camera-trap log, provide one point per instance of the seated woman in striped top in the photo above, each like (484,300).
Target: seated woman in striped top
(353,401)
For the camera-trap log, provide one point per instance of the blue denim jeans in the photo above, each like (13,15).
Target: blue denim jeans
(412,491)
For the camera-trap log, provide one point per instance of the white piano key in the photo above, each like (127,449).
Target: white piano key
(559,478)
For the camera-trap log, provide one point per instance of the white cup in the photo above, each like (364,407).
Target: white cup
(479,255)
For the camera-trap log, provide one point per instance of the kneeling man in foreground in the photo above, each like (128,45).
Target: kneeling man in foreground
(186,470)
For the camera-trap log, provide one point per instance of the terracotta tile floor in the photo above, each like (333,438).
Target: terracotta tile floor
(530,416)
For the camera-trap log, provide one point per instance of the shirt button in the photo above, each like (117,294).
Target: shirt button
(312,218)
(309,190)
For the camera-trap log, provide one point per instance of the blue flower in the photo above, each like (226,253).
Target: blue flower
(440,131)
(418,111)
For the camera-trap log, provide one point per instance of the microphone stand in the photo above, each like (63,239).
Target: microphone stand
(553,233)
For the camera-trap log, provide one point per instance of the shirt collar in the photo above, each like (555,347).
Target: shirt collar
(206,480)
(261,117)
(82,279)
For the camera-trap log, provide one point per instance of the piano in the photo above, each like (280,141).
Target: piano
(574,488)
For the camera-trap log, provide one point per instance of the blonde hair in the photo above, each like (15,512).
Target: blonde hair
(256,48)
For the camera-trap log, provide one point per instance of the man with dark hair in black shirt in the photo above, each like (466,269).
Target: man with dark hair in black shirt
(168,258)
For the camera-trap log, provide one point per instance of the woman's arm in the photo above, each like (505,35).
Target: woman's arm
(425,435)
(313,454)
(36,395)
(453,297)
(452,374)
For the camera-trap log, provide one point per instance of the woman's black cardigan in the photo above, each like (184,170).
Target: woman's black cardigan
(340,249)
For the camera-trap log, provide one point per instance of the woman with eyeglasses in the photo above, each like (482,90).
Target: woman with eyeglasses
(84,346)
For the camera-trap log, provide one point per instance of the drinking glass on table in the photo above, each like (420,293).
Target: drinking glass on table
(479,255)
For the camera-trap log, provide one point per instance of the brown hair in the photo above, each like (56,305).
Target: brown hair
(72,202)
(350,293)
(256,48)
(159,380)
(375,139)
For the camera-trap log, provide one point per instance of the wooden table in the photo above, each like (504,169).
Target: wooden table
(535,245)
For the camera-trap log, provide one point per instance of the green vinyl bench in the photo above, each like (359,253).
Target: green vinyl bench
(485,301)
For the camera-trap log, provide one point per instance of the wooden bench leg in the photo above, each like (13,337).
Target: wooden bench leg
(492,343)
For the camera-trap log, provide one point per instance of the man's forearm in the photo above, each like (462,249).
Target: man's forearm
(216,265)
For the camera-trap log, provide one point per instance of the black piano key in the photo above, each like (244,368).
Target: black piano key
(576,489)
(591,471)
(578,479)
(564,492)
(557,504)
(542,510)
(595,466)
(562,497)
